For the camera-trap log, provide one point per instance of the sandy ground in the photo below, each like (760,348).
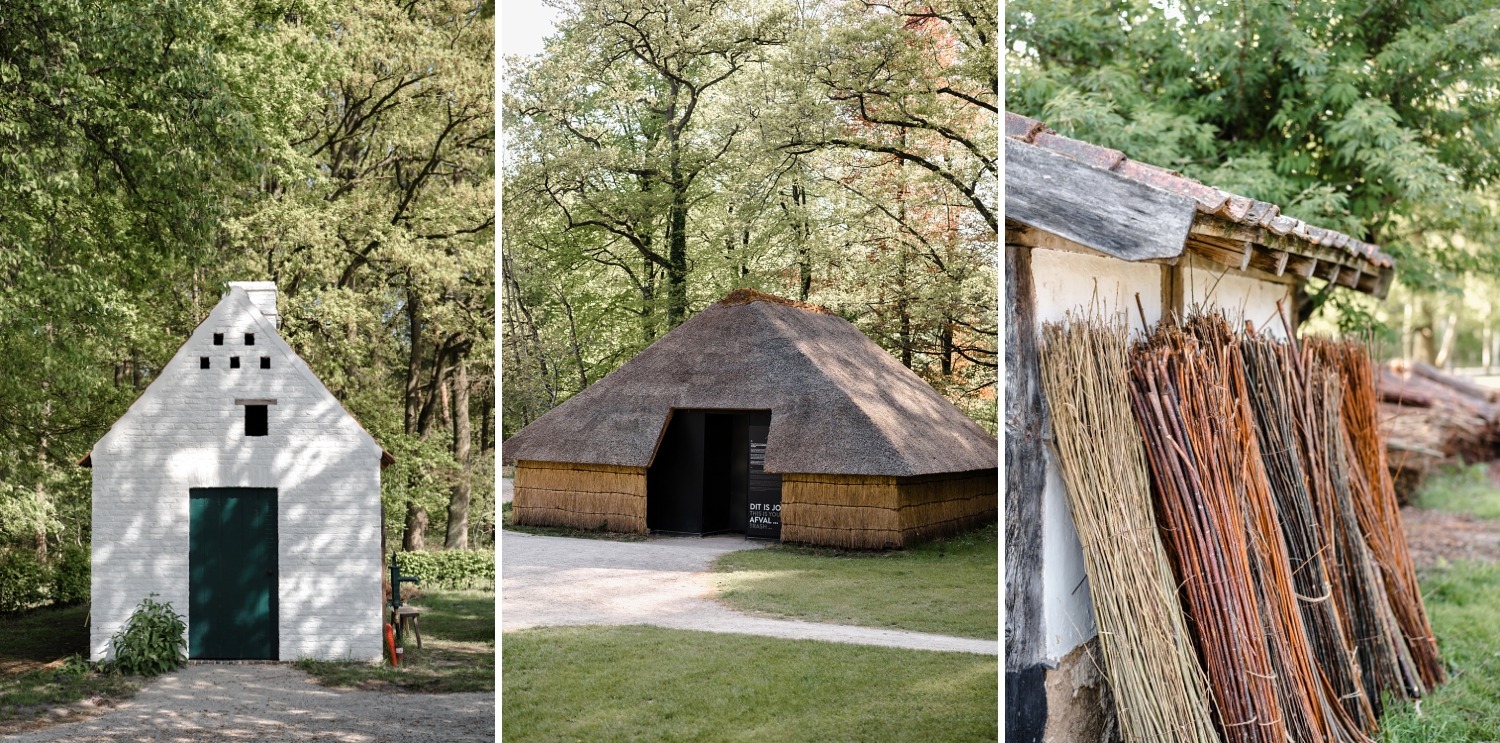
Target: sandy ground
(277,703)
(1436,537)
(664,582)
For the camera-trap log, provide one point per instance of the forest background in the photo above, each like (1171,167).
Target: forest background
(344,149)
(1378,119)
(662,153)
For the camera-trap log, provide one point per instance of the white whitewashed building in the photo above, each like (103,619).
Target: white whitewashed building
(240,491)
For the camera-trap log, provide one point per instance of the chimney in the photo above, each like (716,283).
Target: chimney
(263,296)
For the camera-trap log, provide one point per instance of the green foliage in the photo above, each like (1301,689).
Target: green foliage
(450,569)
(72,570)
(343,149)
(152,642)
(667,152)
(23,580)
(1364,118)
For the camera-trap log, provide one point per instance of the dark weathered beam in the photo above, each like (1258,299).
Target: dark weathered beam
(1231,253)
(1302,265)
(1092,207)
(1349,277)
(1025,466)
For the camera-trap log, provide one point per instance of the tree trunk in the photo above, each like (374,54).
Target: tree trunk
(583,376)
(1408,331)
(414,363)
(1444,358)
(1487,358)
(946,340)
(648,301)
(1421,342)
(457,537)
(416,528)
(677,268)
(804,233)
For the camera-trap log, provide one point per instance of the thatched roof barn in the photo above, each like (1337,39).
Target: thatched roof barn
(693,434)
(1088,226)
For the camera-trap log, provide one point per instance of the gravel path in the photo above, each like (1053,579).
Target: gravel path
(1436,537)
(278,703)
(664,582)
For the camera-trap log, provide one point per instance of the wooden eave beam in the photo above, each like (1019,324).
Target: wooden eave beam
(1220,240)
(1092,207)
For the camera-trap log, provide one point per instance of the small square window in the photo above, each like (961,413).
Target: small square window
(218,339)
(265,362)
(234,362)
(249,339)
(202,362)
(256,423)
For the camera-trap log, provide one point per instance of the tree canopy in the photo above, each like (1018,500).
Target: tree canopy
(1374,118)
(662,153)
(342,148)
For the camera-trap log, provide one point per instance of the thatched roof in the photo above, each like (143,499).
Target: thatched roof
(839,403)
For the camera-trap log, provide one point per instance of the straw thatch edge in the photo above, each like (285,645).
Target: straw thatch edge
(878,512)
(583,496)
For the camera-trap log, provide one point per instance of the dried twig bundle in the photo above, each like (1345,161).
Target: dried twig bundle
(1198,453)
(1376,508)
(1159,688)
(1286,429)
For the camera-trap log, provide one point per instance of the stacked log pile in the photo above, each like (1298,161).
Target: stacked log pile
(1429,417)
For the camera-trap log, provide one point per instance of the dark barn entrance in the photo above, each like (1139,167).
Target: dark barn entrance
(708,476)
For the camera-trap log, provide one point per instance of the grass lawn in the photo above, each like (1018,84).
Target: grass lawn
(1463,601)
(34,678)
(457,653)
(653,684)
(1466,490)
(948,587)
(507,522)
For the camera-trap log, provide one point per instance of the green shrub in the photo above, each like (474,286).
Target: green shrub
(455,569)
(70,576)
(153,640)
(23,580)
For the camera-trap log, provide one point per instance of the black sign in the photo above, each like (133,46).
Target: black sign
(765,492)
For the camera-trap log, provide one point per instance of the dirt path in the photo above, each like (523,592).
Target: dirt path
(665,582)
(277,703)
(1438,536)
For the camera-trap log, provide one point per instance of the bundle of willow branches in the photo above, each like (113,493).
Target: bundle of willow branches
(1159,689)
(1377,509)
(1385,662)
(1286,427)
(1192,426)
(1309,713)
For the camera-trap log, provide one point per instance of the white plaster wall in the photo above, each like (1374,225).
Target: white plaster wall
(1241,297)
(1066,282)
(186,431)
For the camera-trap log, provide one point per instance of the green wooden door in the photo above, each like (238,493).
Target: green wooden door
(232,573)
